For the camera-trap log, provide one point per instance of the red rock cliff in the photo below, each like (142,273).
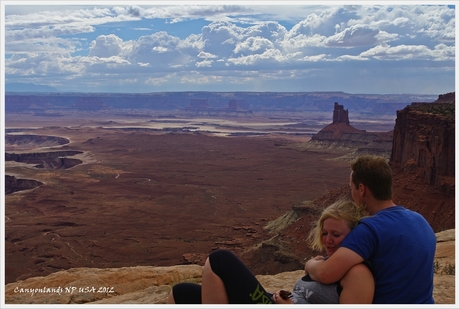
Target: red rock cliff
(424,141)
(423,160)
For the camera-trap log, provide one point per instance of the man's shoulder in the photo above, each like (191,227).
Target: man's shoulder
(393,211)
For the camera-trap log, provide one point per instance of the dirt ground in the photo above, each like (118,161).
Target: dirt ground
(151,198)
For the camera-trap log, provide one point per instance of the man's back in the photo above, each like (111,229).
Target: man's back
(400,245)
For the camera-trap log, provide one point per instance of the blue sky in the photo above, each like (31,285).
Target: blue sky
(151,46)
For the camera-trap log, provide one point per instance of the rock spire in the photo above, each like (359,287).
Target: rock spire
(340,114)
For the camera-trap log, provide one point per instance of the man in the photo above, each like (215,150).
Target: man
(399,243)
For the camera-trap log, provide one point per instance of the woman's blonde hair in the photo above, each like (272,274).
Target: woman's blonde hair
(342,209)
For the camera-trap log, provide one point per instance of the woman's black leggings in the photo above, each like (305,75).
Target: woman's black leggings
(241,285)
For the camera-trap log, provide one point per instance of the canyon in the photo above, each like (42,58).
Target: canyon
(141,197)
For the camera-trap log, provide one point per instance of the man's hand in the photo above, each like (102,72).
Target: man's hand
(334,268)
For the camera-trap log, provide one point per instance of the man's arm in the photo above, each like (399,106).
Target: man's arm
(357,286)
(334,268)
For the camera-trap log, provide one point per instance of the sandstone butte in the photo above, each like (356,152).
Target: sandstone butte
(151,285)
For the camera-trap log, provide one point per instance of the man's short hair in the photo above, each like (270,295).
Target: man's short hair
(375,173)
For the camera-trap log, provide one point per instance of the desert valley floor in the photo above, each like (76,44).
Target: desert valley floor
(148,197)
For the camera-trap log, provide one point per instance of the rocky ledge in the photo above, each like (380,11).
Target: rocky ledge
(151,285)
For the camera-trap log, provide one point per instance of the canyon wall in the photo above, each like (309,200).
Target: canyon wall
(423,160)
(424,141)
(50,160)
(13,184)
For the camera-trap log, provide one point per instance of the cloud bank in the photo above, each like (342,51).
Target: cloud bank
(239,47)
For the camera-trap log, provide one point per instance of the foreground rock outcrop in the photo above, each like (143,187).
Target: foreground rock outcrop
(151,285)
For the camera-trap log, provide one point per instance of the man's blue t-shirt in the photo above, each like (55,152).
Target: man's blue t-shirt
(400,246)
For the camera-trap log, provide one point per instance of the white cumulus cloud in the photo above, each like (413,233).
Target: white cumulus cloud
(70,43)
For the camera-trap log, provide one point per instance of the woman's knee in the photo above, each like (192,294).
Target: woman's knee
(185,293)
(219,260)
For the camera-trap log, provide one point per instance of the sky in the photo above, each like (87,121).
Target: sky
(383,47)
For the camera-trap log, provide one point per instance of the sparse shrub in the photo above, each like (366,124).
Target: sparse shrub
(443,109)
(447,269)
(437,266)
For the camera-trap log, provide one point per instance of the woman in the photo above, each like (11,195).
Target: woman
(227,280)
